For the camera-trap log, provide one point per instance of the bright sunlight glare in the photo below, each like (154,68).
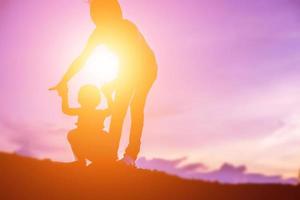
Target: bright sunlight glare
(101,67)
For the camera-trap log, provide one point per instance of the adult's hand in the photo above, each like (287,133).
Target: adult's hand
(60,86)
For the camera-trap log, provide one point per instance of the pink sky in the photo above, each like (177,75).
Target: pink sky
(228,87)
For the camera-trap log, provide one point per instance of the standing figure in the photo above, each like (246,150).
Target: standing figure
(137,72)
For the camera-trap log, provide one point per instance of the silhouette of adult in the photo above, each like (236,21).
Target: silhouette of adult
(138,70)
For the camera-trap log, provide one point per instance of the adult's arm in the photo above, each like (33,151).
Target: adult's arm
(79,62)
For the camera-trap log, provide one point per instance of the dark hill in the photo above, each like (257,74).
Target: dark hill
(27,178)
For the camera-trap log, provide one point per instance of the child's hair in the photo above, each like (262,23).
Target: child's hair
(89,96)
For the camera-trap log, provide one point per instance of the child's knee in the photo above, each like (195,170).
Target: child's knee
(72,136)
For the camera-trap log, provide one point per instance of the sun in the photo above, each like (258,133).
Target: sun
(102,66)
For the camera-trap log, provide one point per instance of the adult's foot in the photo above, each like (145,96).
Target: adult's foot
(128,161)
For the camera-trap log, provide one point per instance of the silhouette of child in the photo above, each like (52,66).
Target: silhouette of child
(88,141)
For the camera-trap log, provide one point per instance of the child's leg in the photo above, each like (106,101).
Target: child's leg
(100,149)
(137,117)
(74,140)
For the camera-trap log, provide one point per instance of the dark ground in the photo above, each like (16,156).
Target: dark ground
(27,178)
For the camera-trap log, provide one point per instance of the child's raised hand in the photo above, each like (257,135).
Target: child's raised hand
(108,89)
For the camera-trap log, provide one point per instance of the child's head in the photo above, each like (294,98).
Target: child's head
(89,96)
(105,11)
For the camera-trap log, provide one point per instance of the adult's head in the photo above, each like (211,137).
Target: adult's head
(105,12)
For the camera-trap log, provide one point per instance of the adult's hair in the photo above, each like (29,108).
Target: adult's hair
(102,10)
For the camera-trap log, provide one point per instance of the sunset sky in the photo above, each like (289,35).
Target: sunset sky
(228,89)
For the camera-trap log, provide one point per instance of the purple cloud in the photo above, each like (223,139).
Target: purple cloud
(164,165)
(193,167)
(227,173)
(31,139)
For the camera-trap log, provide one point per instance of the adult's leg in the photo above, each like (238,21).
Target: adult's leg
(137,117)
(121,104)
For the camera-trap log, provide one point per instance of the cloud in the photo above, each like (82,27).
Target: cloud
(169,109)
(227,173)
(288,134)
(170,166)
(193,167)
(32,140)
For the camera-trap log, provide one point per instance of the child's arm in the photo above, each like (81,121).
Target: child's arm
(63,92)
